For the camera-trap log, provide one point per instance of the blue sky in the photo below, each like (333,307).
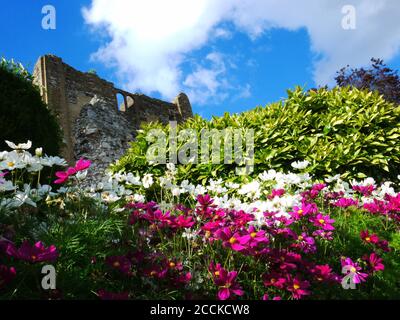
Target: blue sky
(229,56)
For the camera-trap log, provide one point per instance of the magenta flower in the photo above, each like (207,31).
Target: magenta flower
(304,210)
(369,238)
(305,243)
(120,263)
(7,274)
(33,254)
(364,190)
(323,273)
(253,238)
(324,222)
(374,262)
(226,281)
(106,295)
(355,270)
(298,288)
(82,165)
(345,203)
(62,177)
(183,222)
(275,280)
(230,240)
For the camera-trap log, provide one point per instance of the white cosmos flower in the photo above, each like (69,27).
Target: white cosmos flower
(138,198)
(300,164)
(147,181)
(11,162)
(81,175)
(39,152)
(268,176)
(21,146)
(53,161)
(252,189)
(6,186)
(33,164)
(131,179)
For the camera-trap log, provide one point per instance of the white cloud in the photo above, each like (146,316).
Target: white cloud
(151,39)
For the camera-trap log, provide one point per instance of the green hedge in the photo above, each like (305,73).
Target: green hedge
(23,115)
(343,130)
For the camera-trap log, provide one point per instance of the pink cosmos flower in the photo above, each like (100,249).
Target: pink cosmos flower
(276,193)
(275,280)
(365,236)
(323,273)
(226,281)
(120,263)
(33,254)
(305,243)
(253,238)
(82,164)
(355,270)
(374,262)
(324,222)
(106,295)
(364,190)
(298,288)
(327,235)
(7,274)
(345,203)
(182,222)
(230,239)
(62,177)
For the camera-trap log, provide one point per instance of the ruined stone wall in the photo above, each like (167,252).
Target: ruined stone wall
(67,91)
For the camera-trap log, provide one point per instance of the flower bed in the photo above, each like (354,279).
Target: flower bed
(277,236)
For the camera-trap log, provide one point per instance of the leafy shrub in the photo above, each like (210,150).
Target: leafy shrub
(344,130)
(23,115)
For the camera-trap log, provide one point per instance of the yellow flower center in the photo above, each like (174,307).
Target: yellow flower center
(208,234)
(153,273)
(321,221)
(10,164)
(353,270)
(172,265)
(33,257)
(116,264)
(296,287)
(232,240)
(368,239)
(253,234)
(273,280)
(216,273)
(300,238)
(300,212)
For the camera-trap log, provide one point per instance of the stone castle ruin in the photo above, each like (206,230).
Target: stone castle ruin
(93,124)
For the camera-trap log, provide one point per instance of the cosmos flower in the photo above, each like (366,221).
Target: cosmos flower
(21,146)
(7,274)
(324,222)
(374,262)
(34,254)
(354,269)
(298,288)
(226,282)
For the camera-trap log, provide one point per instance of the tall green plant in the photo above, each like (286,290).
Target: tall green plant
(344,130)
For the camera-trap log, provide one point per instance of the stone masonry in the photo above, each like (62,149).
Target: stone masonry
(88,112)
